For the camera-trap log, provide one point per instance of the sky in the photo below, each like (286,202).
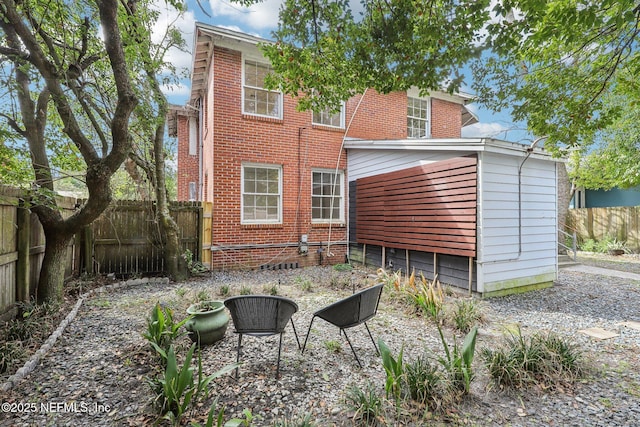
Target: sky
(260,20)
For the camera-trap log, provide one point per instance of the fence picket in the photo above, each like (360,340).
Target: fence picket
(621,223)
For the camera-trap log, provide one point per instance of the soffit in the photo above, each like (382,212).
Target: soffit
(206,37)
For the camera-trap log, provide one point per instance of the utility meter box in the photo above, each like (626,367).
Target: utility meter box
(303,245)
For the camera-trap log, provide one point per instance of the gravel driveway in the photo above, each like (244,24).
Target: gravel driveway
(95,375)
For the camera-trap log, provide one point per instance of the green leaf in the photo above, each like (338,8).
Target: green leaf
(469,346)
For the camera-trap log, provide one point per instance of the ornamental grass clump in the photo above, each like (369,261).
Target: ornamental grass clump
(365,403)
(465,315)
(543,359)
(424,381)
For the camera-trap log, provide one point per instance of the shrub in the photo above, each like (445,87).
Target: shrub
(424,381)
(342,267)
(427,296)
(203,295)
(11,354)
(194,266)
(542,359)
(333,346)
(270,289)
(294,421)
(589,245)
(33,320)
(366,403)
(340,280)
(224,290)
(305,284)
(466,314)
(391,281)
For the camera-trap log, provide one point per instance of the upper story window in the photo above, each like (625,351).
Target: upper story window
(327,197)
(327,118)
(193,136)
(418,115)
(256,99)
(261,194)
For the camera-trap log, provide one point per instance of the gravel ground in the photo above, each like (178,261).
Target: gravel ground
(96,374)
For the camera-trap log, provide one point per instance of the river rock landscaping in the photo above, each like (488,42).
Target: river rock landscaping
(98,371)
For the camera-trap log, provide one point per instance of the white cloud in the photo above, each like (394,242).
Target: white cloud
(176,90)
(185,23)
(259,16)
(485,130)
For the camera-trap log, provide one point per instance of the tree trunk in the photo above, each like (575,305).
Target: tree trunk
(174,263)
(51,281)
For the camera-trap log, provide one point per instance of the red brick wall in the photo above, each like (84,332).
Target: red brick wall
(232,139)
(446,119)
(378,116)
(293,143)
(188,164)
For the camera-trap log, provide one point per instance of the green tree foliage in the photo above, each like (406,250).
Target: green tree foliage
(614,160)
(324,47)
(555,63)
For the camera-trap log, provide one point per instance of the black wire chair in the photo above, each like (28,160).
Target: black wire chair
(349,312)
(261,315)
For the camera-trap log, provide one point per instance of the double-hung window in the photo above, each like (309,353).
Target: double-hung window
(328,118)
(257,100)
(261,194)
(418,113)
(327,196)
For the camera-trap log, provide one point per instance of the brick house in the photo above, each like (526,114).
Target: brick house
(277,177)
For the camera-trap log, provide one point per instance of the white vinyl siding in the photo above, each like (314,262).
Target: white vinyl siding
(327,197)
(261,194)
(256,99)
(517,235)
(516,241)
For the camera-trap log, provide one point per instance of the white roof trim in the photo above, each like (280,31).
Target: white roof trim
(451,144)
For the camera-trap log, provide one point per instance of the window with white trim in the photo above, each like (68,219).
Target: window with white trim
(418,114)
(256,99)
(193,136)
(192,191)
(327,118)
(261,194)
(327,196)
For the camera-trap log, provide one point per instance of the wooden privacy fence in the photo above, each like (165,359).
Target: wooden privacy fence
(125,241)
(621,223)
(22,247)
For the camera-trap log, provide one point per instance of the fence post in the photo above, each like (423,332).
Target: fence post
(23,217)
(200,232)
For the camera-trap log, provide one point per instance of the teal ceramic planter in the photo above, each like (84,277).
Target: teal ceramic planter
(208,323)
